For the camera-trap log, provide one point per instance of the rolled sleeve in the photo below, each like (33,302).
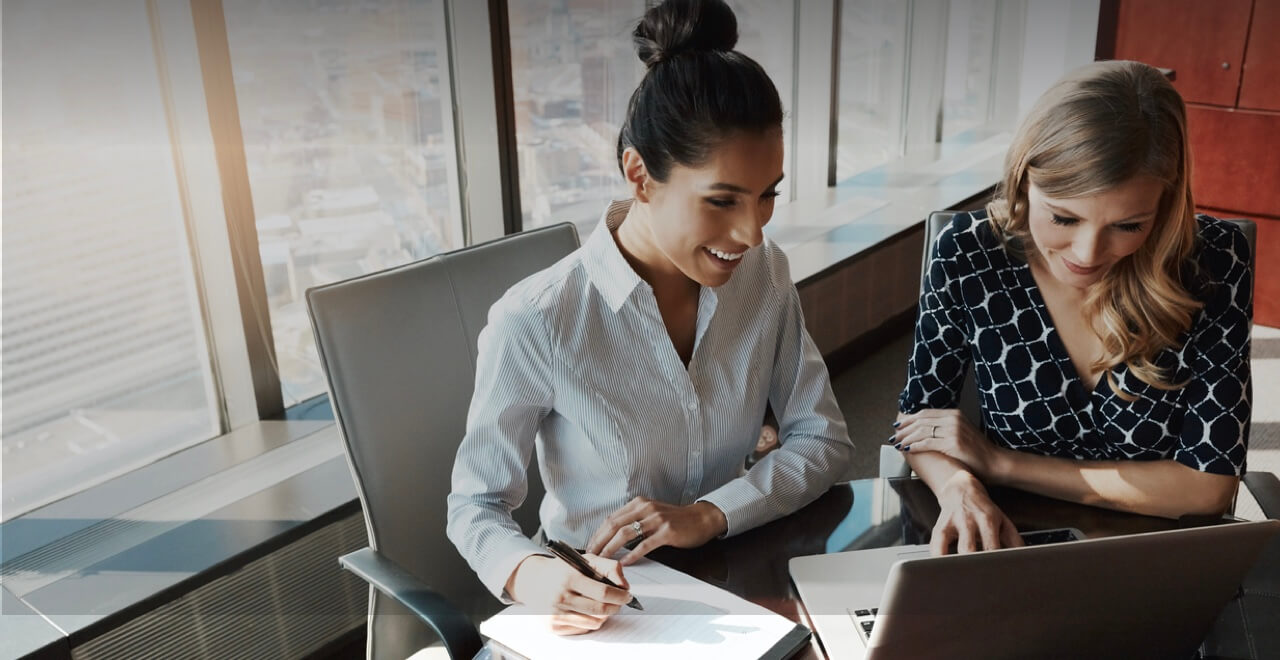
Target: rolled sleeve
(815,448)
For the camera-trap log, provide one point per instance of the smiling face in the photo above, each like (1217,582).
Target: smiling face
(1080,238)
(702,220)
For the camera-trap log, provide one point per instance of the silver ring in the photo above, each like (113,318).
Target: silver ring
(934,433)
(639,531)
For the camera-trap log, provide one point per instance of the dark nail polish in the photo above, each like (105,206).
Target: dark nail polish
(907,448)
(898,446)
(895,424)
(892,439)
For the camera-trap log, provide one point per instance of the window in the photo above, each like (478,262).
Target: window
(873,75)
(105,361)
(970,62)
(346,115)
(573,69)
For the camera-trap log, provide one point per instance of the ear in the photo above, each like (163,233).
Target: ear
(637,175)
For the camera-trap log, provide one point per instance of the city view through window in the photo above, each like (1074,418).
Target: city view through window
(574,68)
(350,150)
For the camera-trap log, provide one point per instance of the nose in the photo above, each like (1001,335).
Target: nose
(748,228)
(1085,249)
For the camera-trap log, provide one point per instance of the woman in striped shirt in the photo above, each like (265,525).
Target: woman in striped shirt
(640,366)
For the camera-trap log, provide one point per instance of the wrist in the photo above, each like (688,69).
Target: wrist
(713,519)
(1001,466)
(513,579)
(961,483)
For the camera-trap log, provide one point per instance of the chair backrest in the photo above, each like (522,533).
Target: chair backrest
(398,349)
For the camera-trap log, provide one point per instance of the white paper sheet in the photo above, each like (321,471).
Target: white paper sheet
(683,617)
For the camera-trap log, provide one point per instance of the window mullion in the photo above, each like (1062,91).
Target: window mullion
(240,238)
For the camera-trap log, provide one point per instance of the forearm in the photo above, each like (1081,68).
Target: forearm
(1162,488)
(797,473)
(936,469)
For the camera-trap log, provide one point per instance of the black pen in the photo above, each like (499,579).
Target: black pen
(576,560)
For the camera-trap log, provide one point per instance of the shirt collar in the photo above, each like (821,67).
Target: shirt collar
(609,271)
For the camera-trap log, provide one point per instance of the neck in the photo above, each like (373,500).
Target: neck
(1046,279)
(635,240)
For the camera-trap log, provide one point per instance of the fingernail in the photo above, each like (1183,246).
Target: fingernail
(895,424)
(898,446)
(907,448)
(891,439)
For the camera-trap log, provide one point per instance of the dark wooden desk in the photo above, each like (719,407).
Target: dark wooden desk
(868,514)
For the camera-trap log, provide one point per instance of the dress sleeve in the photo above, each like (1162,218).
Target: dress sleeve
(1218,398)
(513,392)
(815,447)
(940,355)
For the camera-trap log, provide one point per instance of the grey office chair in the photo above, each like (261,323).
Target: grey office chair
(399,350)
(892,463)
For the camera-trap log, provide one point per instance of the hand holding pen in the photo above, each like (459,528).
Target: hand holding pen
(577,603)
(576,560)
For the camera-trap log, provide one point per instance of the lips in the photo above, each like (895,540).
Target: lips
(723,263)
(1078,269)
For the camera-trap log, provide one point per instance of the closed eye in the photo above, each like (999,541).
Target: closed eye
(1130,227)
(1063,220)
(721,202)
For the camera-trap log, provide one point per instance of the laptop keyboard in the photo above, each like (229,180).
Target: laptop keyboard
(865,619)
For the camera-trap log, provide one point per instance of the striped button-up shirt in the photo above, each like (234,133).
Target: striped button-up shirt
(576,361)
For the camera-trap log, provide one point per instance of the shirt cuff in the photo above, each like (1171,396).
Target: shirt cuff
(740,502)
(504,560)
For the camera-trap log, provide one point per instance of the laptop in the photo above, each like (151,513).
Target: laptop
(1151,595)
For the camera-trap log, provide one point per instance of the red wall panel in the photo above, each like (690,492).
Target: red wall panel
(1192,37)
(1235,159)
(1260,84)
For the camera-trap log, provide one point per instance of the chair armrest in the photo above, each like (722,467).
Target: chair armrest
(1265,488)
(460,637)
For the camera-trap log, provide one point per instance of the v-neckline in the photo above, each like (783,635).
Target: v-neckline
(1057,347)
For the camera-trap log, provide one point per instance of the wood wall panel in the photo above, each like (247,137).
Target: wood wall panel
(1192,37)
(851,302)
(1235,160)
(1260,84)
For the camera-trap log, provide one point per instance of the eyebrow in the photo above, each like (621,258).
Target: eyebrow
(720,185)
(1132,217)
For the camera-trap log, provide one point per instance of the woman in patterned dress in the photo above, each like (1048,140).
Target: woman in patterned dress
(1107,323)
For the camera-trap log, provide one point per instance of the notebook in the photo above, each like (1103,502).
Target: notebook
(683,617)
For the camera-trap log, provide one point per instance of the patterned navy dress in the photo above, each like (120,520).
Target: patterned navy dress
(981,306)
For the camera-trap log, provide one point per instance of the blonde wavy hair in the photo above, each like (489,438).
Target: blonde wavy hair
(1096,128)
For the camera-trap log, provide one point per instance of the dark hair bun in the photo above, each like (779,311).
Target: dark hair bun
(685,26)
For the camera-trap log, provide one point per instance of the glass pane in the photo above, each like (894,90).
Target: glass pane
(105,362)
(873,65)
(573,69)
(966,100)
(345,111)
(765,34)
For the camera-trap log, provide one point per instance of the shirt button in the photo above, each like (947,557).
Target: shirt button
(691,406)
